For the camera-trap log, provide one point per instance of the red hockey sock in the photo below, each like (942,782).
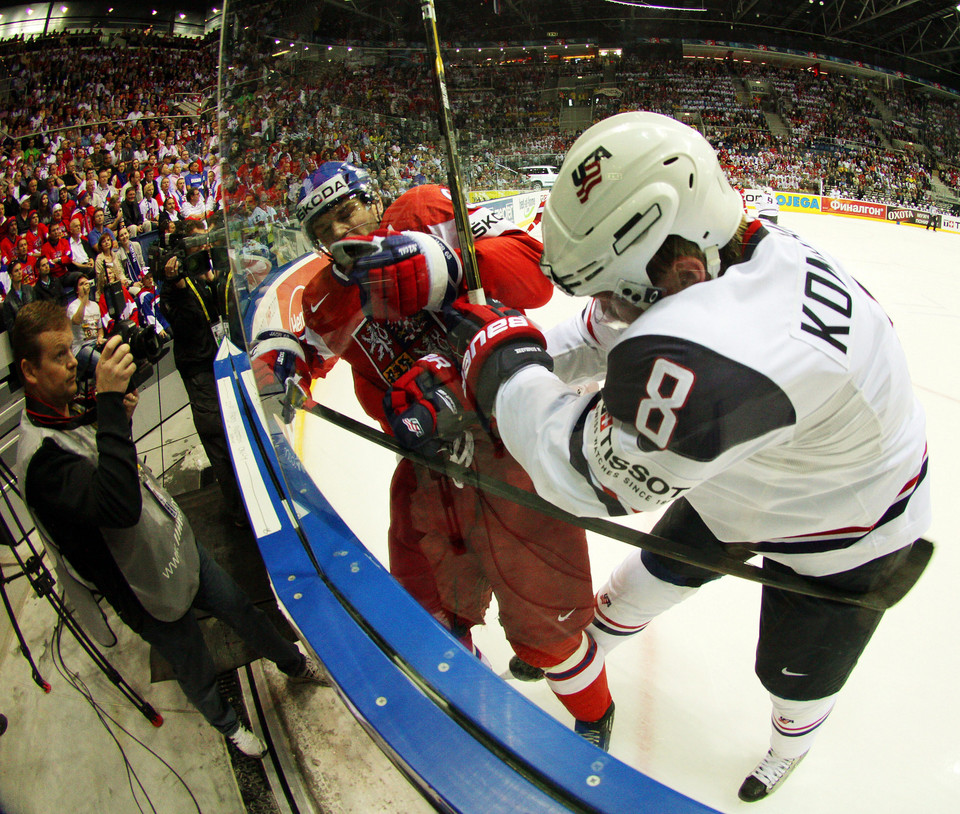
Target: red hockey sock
(579,680)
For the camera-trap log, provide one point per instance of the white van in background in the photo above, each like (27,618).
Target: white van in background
(540,177)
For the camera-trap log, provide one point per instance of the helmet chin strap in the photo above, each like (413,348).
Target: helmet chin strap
(712,253)
(639,295)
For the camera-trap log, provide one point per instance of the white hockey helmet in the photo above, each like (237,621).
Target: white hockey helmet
(627,183)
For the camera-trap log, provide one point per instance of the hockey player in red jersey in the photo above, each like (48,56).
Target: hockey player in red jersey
(450,545)
(750,385)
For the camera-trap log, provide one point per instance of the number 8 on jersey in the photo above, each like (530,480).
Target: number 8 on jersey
(656,416)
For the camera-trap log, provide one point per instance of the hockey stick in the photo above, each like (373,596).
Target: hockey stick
(468,251)
(879,599)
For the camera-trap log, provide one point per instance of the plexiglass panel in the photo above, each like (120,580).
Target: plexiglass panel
(323,140)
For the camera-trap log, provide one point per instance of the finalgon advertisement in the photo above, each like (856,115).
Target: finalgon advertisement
(854,209)
(798,202)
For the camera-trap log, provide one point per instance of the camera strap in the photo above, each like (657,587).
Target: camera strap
(197,294)
(216,326)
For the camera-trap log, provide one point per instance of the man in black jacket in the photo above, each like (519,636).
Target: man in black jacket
(118,528)
(190,306)
(132,216)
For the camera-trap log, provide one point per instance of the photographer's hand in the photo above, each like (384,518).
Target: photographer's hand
(115,367)
(130,402)
(170,271)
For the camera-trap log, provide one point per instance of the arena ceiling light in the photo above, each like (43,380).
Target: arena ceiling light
(641,4)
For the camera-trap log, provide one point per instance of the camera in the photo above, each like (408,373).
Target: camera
(145,345)
(197,250)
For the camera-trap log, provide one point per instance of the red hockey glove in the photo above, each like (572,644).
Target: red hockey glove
(494,342)
(399,273)
(425,406)
(278,362)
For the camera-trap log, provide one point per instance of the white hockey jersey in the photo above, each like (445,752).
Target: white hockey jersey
(776,399)
(767,206)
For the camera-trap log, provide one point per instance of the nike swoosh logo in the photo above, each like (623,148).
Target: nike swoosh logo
(565,616)
(313,308)
(786,672)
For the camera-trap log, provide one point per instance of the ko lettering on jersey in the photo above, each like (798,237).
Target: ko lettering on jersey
(827,313)
(434,215)
(485,221)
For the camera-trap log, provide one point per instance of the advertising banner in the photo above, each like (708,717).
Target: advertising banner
(751,197)
(798,202)
(854,209)
(907,214)
(523,209)
(951,223)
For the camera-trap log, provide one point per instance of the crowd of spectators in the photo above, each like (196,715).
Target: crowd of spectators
(510,115)
(95,153)
(111,133)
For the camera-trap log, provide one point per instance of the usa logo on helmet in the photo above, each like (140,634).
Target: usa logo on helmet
(588,174)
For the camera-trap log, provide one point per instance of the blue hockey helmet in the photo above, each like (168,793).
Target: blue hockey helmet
(328,185)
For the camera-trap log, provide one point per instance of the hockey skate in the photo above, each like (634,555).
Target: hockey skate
(770,774)
(597,732)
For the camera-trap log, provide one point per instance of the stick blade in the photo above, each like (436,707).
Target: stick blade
(906,576)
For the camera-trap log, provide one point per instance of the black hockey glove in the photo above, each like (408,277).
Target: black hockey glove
(425,406)
(493,342)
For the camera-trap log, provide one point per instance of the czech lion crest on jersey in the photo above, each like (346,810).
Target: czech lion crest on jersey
(393,347)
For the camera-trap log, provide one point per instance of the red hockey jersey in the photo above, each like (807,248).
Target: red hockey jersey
(380,352)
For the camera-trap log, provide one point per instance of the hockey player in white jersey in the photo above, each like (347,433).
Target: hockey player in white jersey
(767,207)
(749,382)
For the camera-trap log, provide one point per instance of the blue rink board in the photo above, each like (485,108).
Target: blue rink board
(463,736)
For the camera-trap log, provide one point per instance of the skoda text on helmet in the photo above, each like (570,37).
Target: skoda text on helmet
(331,183)
(627,183)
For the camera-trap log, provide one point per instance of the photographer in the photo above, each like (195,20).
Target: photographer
(118,528)
(188,300)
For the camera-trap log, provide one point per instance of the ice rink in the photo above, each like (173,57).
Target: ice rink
(690,711)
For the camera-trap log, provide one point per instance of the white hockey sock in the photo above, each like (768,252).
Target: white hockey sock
(795,724)
(631,597)
(579,671)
